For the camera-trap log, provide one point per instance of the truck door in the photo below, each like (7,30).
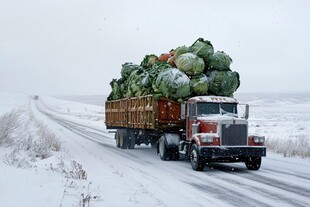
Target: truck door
(190,119)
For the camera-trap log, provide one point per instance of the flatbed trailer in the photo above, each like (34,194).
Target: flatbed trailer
(144,113)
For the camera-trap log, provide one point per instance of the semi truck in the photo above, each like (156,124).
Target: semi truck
(204,129)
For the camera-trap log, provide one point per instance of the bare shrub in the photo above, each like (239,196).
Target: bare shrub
(13,160)
(9,123)
(75,171)
(86,198)
(40,150)
(24,142)
(290,147)
(48,138)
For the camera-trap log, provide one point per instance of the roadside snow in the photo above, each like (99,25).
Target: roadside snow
(35,169)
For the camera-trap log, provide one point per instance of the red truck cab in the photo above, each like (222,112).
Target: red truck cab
(215,133)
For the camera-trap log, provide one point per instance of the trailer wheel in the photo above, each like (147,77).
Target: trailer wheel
(197,162)
(117,138)
(132,139)
(162,148)
(174,155)
(253,163)
(123,139)
(154,144)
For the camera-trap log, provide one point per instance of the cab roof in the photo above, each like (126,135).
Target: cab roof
(213,99)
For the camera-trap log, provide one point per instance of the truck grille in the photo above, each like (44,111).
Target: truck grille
(234,134)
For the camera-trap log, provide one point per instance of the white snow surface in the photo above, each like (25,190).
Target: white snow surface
(138,177)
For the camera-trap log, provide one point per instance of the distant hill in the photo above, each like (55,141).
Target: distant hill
(293,98)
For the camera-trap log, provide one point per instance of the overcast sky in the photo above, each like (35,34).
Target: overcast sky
(60,47)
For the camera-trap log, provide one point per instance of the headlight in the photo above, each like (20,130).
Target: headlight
(259,140)
(207,138)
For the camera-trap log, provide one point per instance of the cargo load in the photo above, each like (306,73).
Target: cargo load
(183,72)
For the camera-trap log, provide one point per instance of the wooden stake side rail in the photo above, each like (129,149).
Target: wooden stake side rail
(142,113)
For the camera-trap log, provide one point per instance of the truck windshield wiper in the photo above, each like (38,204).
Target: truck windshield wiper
(223,112)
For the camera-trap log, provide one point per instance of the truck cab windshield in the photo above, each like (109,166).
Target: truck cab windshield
(205,109)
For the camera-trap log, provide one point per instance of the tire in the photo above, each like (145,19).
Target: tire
(123,139)
(132,139)
(198,164)
(253,163)
(174,155)
(162,148)
(154,144)
(117,138)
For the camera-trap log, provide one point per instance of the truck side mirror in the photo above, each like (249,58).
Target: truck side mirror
(247,110)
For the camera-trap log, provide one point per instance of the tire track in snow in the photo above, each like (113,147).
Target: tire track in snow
(302,177)
(291,194)
(214,184)
(233,197)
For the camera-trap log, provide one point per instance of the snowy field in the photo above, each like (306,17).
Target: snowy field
(58,153)
(283,118)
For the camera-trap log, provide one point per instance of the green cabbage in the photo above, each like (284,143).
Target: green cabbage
(155,70)
(117,92)
(148,61)
(133,84)
(220,61)
(203,49)
(199,84)
(128,68)
(180,50)
(223,83)
(173,83)
(190,63)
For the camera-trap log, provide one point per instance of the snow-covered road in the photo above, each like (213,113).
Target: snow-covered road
(140,178)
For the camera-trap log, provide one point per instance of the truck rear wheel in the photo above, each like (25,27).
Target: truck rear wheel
(253,163)
(168,146)
(197,162)
(117,138)
(123,138)
(174,155)
(132,139)
(162,148)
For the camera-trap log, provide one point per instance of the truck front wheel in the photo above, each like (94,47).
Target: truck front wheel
(132,140)
(253,163)
(197,162)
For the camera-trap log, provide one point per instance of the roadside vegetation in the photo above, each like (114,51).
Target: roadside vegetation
(292,146)
(29,142)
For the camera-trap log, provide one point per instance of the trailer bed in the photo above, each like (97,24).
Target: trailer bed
(143,113)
